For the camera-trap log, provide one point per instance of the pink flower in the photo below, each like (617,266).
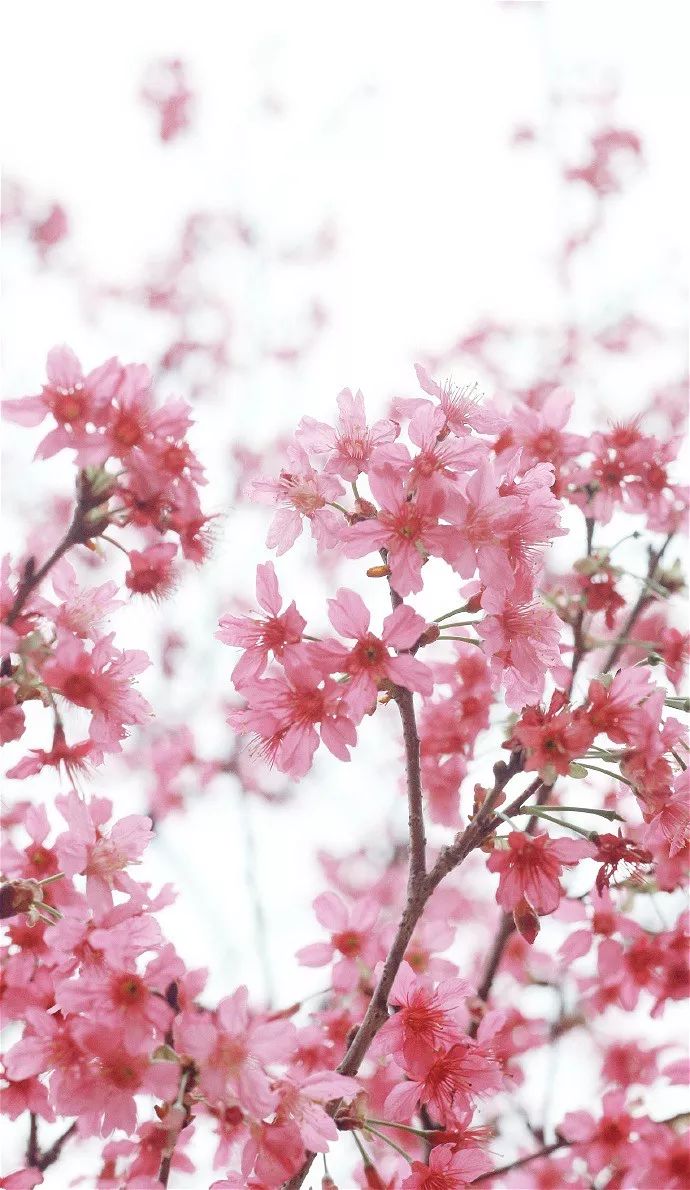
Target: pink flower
(441,457)
(350,445)
(117,1077)
(151,571)
(408,530)
(448,1169)
(275,634)
(234,1052)
(73,399)
(670,827)
(301,492)
(602,1142)
(101,681)
(483,520)
(428,1018)
(530,868)
(447,1084)
(283,712)
(102,857)
(351,938)
(49,1046)
(461,407)
(301,1100)
(81,610)
(369,662)
(521,640)
(119,998)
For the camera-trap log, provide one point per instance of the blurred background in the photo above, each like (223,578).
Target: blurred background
(269,203)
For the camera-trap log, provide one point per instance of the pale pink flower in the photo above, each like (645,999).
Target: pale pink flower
(522,642)
(350,445)
(73,399)
(301,492)
(81,610)
(484,519)
(352,941)
(301,1101)
(102,857)
(234,1052)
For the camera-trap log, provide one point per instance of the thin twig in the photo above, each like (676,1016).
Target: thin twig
(643,599)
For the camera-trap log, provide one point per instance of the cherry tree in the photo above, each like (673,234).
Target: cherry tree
(502,599)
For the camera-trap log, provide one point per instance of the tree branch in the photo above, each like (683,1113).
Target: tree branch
(643,599)
(548,1149)
(415,806)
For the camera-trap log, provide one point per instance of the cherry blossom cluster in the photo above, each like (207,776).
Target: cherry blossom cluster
(137,474)
(563,872)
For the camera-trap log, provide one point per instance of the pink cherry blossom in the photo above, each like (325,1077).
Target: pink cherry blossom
(301,492)
(427,1019)
(448,1169)
(530,868)
(275,634)
(409,530)
(348,447)
(352,943)
(370,662)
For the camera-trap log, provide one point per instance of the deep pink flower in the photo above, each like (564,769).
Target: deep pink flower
(408,529)
(448,1084)
(428,1018)
(151,571)
(101,681)
(370,662)
(448,1169)
(530,868)
(275,634)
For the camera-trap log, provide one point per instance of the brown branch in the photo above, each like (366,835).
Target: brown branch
(415,805)
(51,1155)
(642,601)
(579,643)
(83,526)
(548,1149)
(33,1152)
